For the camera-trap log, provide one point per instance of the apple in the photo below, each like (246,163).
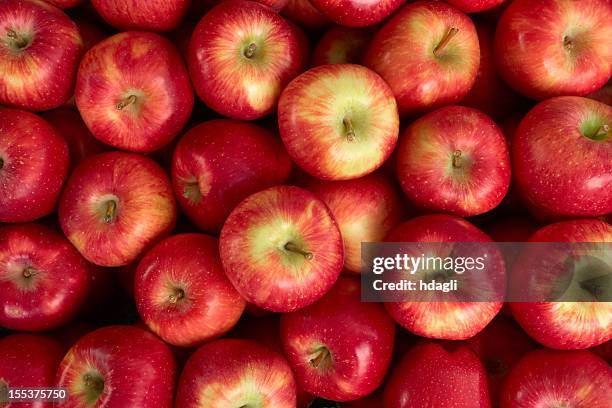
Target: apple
(39,51)
(219,163)
(147,15)
(603,94)
(64,4)
(115,205)
(604,351)
(562,158)
(182,293)
(276,5)
(339,348)
(366,209)
(33,166)
(341,45)
(452,320)
(454,160)
(338,121)
(241,55)
(547,48)
(43,279)
(584,321)
(118,366)
(357,13)
(133,91)
(438,375)
(281,248)
(428,53)
(236,373)
(91,33)
(305,14)
(475,6)
(558,379)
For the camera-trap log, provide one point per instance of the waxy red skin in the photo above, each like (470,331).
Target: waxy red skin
(560,172)
(28,360)
(558,378)
(537,55)
(441,320)
(429,375)
(148,15)
(209,305)
(34,166)
(359,337)
(64,4)
(219,163)
(224,78)
(568,325)
(305,14)
(214,374)
(341,45)
(56,284)
(475,6)
(127,359)
(355,13)
(426,162)
(39,76)
(141,65)
(145,207)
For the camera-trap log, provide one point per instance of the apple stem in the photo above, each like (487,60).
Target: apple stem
(111,211)
(126,102)
(457,159)
(350,131)
(291,247)
(445,40)
(29,272)
(322,355)
(176,296)
(601,132)
(20,41)
(250,50)
(567,43)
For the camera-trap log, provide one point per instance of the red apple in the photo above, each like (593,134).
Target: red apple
(562,158)
(338,121)
(43,279)
(39,52)
(446,320)
(64,4)
(182,292)
(281,248)
(219,163)
(547,378)
(133,91)
(33,166)
(276,5)
(603,94)
(357,13)
(454,160)
(118,366)
(115,205)
(236,373)
(366,209)
(546,48)
(429,55)
(341,45)
(339,348)
(475,6)
(432,376)
(304,14)
(241,55)
(572,324)
(148,15)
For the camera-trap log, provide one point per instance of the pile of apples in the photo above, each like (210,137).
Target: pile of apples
(185,187)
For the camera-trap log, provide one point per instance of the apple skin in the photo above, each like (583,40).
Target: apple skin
(366,209)
(538,57)
(559,170)
(43,279)
(147,15)
(454,160)
(64,4)
(420,79)
(441,320)
(281,248)
(338,121)
(97,366)
(429,375)
(567,325)
(133,91)
(305,14)
(39,51)
(558,378)
(115,205)
(475,6)
(241,55)
(341,45)
(34,164)
(219,163)
(356,13)
(339,348)
(237,373)
(28,360)
(182,293)
(603,94)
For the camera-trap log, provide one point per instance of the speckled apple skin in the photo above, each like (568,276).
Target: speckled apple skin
(475,6)
(357,13)
(149,15)
(35,165)
(41,76)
